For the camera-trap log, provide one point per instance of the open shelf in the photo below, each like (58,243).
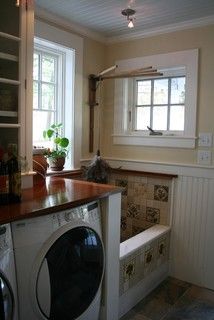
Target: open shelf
(10,125)
(7,56)
(10,81)
(8,113)
(9,36)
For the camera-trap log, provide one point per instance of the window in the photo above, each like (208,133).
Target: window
(167,104)
(51,100)
(72,46)
(160,104)
(47,86)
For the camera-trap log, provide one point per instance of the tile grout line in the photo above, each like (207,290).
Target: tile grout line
(162,318)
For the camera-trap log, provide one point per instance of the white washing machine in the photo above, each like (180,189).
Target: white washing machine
(8,293)
(60,264)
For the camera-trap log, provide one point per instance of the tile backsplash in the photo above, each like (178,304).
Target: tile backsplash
(141,263)
(145,202)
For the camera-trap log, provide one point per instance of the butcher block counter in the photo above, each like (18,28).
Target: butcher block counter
(54,195)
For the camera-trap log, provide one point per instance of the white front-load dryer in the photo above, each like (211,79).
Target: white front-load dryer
(8,293)
(60,264)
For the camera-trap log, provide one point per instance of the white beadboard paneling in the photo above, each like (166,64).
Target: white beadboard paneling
(209,256)
(191,258)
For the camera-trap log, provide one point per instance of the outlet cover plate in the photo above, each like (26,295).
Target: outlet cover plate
(205,139)
(204,157)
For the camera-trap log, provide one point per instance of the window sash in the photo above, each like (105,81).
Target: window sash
(152,105)
(57,84)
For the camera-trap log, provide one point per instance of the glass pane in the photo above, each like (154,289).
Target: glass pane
(75,263)
(41,121)
(48,96)
(176,118)
(143,92)
(35,66)
(35,95)
(160,91)
(48,68)
(178,90)
(160,118)
(143,118)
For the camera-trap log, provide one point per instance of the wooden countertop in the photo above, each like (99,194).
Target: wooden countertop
(57,194)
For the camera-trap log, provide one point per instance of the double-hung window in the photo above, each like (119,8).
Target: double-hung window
(160,104)
(53,92)
(47,92)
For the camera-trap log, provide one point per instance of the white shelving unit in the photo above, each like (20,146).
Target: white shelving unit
(16,56)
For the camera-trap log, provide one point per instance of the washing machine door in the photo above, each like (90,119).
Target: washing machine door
(6,299)
(74,265)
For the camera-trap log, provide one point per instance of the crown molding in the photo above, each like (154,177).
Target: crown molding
(164,29)
(44,15)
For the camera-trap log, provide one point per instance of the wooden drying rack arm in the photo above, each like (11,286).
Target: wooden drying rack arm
(93,84)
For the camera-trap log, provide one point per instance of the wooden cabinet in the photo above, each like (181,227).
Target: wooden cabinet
(16,38)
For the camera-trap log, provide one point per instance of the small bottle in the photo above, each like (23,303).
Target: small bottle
(4,183)
(14,170)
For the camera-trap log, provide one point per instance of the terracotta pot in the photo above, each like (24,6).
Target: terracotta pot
(40,165)
(56,164)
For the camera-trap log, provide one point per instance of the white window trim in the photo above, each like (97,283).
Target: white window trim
(51,33)
(65,79)
(122,135)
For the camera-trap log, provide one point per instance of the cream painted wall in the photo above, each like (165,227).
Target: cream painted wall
(93,62)
(201,38)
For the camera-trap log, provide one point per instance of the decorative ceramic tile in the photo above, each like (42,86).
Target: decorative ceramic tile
(129,270)
(162,250)
(161,193)
(152,215)
(123,223)
(133,210)
(144,199)
(123,184)
(150,258)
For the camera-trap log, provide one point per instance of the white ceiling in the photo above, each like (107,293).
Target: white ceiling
(104,17)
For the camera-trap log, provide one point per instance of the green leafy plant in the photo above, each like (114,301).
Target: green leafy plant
(60,149)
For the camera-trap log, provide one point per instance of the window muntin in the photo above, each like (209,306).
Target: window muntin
(160,104)
(46,87)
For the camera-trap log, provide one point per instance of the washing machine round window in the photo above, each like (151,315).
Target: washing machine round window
(74,265)
(6,299)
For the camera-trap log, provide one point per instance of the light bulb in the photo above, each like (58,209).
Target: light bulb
(17,3)
(131,24)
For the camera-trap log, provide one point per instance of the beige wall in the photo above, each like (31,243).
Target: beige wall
(93,62)
(201,38)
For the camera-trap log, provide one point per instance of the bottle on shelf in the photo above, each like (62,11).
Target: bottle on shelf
(14,170)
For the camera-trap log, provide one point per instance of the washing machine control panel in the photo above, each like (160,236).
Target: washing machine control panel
(87,213)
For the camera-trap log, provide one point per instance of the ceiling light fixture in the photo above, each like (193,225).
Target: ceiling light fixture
(129,12)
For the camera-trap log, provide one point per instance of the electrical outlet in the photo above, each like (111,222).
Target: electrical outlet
(205,139)
(204,157)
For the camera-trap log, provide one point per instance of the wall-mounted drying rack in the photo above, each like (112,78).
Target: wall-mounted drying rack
(94,82)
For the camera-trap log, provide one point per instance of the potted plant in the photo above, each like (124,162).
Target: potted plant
(56,156)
